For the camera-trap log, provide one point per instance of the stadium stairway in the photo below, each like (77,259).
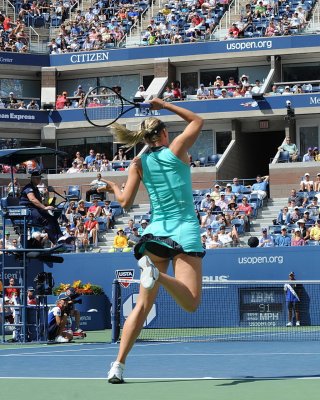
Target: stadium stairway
(269,212)
(134,37)
(106,238)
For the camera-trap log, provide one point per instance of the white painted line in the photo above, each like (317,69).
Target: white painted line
(167,378)
(58,354)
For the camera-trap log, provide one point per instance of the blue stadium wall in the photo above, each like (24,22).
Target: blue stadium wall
(218,265)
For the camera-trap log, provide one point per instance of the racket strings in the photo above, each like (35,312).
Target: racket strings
(103,106)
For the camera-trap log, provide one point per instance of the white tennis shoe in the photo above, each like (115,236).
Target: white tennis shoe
(298,323)
(61,339)
(289,324)
(115,375)
(149,273)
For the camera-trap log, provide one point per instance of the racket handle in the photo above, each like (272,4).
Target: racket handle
(144,106)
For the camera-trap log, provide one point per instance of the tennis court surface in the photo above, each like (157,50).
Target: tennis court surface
(202,370)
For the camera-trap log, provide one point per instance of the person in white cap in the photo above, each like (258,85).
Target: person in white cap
(306,184)
(202,92)
(215,194)
(218,81)
(141,93)
(205,203)
(291,148)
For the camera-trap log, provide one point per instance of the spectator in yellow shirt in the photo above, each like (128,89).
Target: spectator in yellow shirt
(120,242)
(315,231)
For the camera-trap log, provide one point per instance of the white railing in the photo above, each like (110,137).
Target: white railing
(8,8)
(225,21)
(314,22)
(137,28)
(33,33)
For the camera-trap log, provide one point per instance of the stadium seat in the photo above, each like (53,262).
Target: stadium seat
(202,161)
(74,193)
(118,210)
(213,159)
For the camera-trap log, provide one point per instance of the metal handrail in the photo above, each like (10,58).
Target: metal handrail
(315,19)
(225,20)
(8,6)
(33,31)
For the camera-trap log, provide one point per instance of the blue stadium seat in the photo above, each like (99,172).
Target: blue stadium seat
(118,210)
(202,161)
(213,159)
(74,193)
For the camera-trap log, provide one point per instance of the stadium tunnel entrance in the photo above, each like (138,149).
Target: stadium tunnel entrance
(257,150)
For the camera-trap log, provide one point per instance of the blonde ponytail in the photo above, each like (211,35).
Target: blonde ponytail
(149,132)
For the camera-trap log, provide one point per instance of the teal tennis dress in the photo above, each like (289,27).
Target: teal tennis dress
(174,227)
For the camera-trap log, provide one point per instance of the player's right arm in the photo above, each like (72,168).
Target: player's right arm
(186,139)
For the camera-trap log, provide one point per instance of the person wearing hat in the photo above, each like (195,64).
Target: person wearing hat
(215,194)
(297,239)
(222,203)
(224,94)
(202,92)
(120,242)
(293,293)
(141,93)
(265,240)
(306,184)
(79,91)
(31,298)
(218,81)
(57,321)
(309,156)
(217,91)
(41,215)
(74,169)
(290,147)
(309,221)
(143,225)
(228,189)
(108,213)
(205,203)
(284,239)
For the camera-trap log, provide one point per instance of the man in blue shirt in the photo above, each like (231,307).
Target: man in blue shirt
(90,158)
(284,239)
(261,186)
(237,188)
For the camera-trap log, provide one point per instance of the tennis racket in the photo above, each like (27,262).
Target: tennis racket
(103,106)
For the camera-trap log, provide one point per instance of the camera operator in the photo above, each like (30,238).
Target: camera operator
(72,312)
(57,320)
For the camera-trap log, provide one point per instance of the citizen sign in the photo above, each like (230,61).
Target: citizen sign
(89,57)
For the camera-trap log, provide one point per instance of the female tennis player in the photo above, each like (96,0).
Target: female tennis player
(173,232)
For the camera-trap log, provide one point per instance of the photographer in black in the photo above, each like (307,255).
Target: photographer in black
(72,312)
